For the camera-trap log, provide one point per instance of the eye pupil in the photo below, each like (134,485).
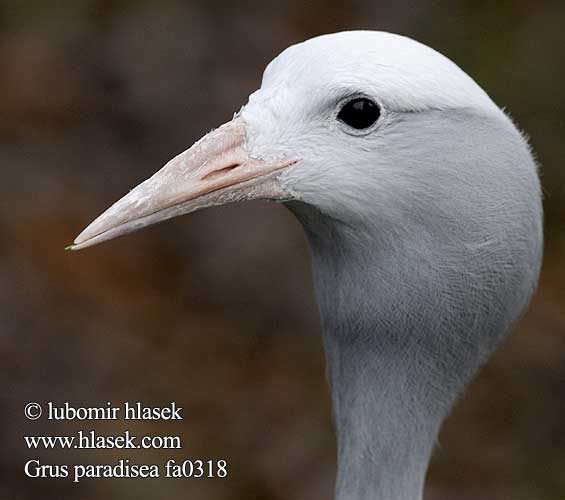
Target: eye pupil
(359,113)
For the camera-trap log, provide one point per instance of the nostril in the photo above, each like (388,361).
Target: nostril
(221,171)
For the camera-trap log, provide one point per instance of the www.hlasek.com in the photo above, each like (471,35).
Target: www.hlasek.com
(90,439)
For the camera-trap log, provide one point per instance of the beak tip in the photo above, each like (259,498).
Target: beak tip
(85,236)
(75,246)
(79,242)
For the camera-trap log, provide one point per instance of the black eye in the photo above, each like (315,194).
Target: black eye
(359,113)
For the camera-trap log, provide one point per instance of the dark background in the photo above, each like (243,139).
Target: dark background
(215,311)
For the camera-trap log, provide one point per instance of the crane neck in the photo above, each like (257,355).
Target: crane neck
(394,373)
(385,429)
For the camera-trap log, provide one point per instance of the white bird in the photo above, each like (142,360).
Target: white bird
(421,204)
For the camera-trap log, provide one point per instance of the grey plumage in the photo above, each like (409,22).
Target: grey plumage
(415,299)
(425,231)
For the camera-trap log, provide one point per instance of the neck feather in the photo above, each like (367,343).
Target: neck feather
(401,340)
(385,428)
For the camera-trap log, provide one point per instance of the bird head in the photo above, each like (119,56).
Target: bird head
(369,129)
(421,203)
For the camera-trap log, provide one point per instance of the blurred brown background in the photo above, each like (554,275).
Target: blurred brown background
(215,311)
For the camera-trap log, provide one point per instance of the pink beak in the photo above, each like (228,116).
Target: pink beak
(216,170)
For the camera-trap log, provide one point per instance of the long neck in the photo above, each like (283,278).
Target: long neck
(384,426)
(389,398)
(400,345)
